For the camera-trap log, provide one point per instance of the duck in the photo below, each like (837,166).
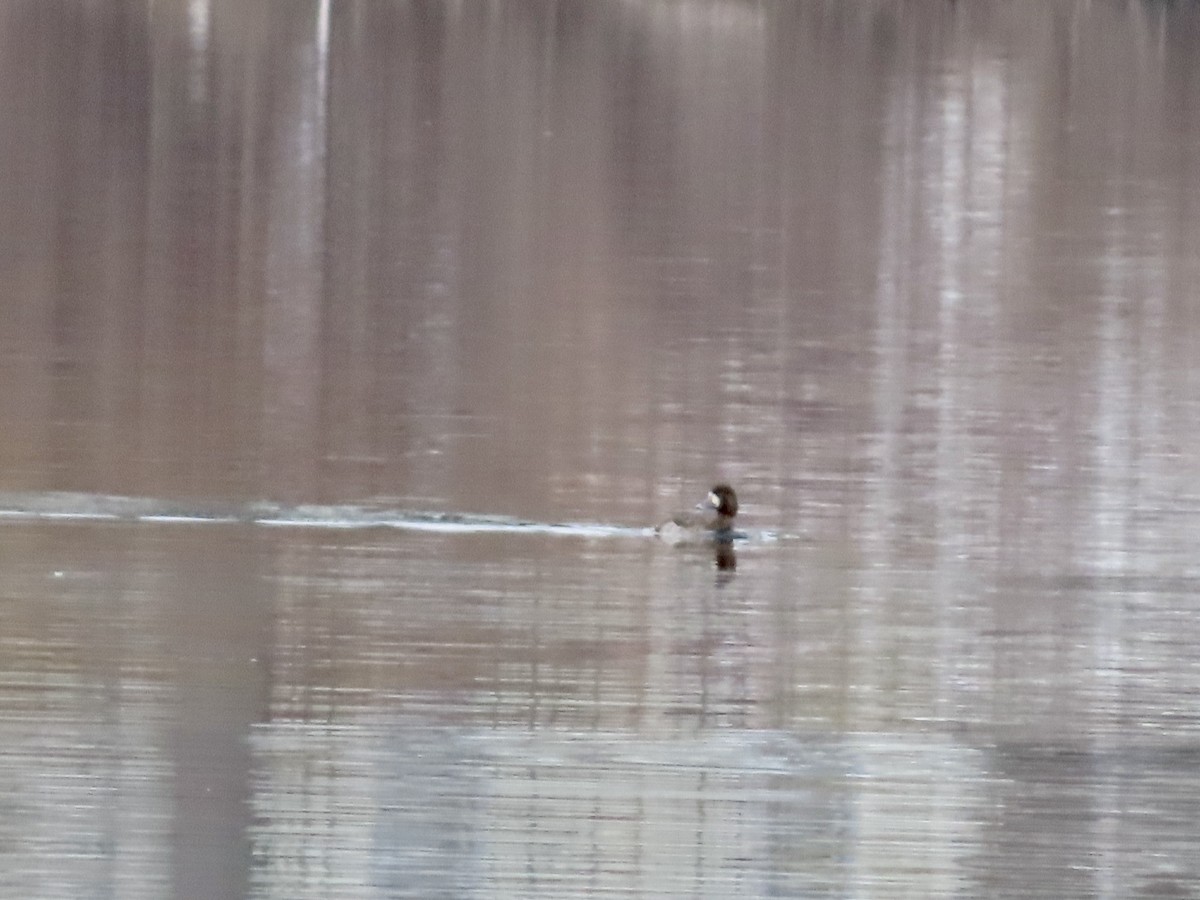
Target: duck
(711,520)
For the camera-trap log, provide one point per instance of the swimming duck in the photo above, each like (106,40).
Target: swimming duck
(710,520)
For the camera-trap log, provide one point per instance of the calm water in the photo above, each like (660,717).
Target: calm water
(348,350)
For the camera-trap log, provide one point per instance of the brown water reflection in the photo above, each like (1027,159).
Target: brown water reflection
(917,278)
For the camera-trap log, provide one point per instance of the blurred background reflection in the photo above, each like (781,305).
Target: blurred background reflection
(918,279)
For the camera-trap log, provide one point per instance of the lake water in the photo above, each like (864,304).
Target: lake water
(349,351)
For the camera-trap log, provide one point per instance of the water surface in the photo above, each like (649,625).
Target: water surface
(350,350)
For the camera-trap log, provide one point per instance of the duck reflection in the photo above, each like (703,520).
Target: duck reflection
(725,559)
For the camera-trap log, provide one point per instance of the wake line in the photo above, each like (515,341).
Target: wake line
(80,507)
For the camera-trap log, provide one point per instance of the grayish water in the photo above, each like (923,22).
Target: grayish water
(349,350)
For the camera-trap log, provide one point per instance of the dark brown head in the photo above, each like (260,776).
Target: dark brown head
(723,500)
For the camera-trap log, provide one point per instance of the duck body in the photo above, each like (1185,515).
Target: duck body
(711,520)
